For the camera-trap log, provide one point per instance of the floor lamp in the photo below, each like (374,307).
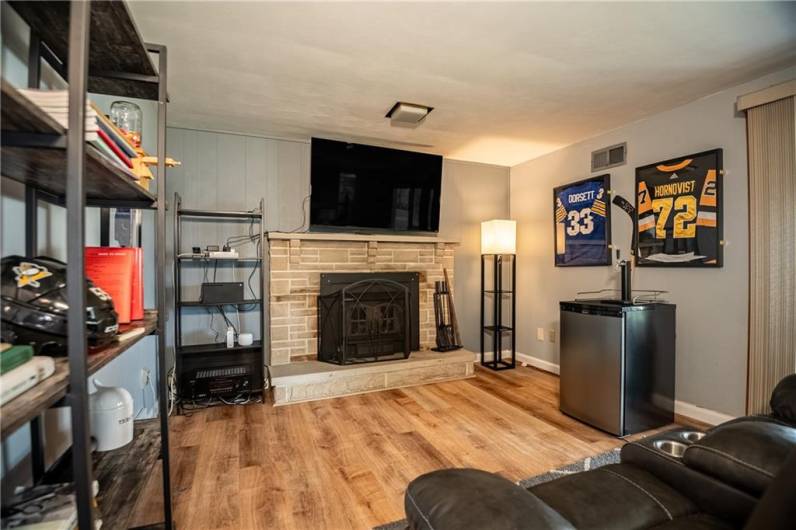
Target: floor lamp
(498,246)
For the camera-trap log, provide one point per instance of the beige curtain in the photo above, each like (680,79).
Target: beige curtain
(771,133)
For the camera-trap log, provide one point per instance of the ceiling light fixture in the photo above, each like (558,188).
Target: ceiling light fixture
(408,114)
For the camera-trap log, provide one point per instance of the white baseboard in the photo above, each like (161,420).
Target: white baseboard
(523,358)
(541,364)
(682,408)
(695,412)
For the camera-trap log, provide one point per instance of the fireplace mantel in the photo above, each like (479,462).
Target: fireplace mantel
(340,236)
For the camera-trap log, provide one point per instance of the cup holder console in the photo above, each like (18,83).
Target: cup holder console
(692,436)
(671,448)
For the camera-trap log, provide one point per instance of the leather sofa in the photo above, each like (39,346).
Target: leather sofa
(740,474)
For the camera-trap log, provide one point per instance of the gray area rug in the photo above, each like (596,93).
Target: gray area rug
(590,462)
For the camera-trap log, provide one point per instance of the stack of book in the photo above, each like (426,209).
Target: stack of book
(119,271)
(113,143)
(109,140)
(20,370)
(56,104)
(46,507)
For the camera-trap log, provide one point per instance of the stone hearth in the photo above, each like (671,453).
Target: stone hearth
(314,380)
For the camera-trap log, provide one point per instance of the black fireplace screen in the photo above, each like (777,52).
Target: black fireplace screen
(367,317)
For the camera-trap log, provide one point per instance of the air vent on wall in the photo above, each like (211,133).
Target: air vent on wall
(615,155)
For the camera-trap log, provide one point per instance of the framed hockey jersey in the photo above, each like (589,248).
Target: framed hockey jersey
(678,205)
(582,220)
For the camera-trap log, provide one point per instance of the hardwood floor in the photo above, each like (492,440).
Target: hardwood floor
(345,462)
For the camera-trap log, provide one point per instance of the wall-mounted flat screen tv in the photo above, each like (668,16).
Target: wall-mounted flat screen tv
(365,188)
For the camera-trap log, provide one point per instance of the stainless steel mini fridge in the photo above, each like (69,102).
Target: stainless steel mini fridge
(617,364)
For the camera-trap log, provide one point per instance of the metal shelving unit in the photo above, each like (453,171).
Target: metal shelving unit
(193,356)
(95,46)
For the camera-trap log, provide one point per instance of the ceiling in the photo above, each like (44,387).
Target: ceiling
(508,81)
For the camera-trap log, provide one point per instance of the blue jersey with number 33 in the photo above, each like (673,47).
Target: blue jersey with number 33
(582,209)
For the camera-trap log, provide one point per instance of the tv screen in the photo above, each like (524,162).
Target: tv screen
(362,187)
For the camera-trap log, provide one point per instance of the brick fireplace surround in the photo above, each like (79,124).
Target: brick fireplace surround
(295,265)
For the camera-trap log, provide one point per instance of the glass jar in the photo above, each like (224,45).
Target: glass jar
(129,118)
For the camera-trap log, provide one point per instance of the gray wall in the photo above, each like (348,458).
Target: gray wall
(712,304)
(228,171)
(471,193)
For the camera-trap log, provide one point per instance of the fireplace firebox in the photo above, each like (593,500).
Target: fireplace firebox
(368,317)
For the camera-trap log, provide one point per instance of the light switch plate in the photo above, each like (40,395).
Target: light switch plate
(552,334)
(540,334)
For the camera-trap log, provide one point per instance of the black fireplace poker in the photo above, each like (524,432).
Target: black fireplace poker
(444,318)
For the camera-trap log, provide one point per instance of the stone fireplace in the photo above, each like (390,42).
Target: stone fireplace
(296,264)
(376,312)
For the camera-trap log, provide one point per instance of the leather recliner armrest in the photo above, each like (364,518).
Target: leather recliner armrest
(744,454)
(452,499)
(709,494)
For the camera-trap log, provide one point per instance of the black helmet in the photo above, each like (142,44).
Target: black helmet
(34,306)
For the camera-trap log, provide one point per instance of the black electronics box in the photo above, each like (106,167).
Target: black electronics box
(219,381)
(222,293)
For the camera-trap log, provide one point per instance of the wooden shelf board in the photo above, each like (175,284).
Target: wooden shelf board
(22,115)
(123,474)
(115,46)
(27,406)
(45,167)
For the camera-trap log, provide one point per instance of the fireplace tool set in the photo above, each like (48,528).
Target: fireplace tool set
(448,337)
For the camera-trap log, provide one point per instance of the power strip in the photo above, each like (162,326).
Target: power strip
(216,254)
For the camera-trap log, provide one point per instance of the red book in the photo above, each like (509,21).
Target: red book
(111,269)
(115,148)
(137,299)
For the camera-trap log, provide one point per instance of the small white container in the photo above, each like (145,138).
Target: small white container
(230,337)
(111,411)
(245,339)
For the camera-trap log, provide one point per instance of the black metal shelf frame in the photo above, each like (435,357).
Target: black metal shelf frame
(218,214)
(218,347)
(192,351)
(199,303)
(497,329)
(66,27)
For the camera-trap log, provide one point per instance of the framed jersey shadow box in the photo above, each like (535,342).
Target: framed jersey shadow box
(679,212)
(582,221)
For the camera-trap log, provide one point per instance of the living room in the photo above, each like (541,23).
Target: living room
(398,265)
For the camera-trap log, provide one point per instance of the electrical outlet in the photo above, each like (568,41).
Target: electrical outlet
(144,377)
(552,335)
(540,334)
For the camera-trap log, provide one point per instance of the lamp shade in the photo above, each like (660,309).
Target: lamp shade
(499,236)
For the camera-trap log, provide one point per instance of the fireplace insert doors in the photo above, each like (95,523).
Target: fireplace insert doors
(368,317)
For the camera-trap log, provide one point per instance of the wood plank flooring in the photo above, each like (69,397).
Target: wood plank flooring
(345,462)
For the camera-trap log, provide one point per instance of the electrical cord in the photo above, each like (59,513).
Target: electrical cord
(143,395)
(227,320)
(193,405)
(171,382)
(303,215)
